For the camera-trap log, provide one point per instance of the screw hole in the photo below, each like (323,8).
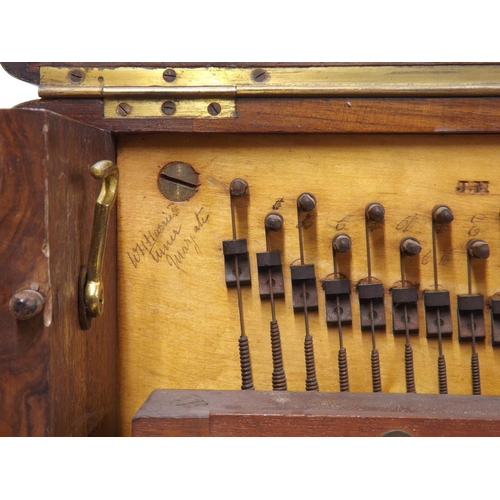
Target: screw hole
(469,327)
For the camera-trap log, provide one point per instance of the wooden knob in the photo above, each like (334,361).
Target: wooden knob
(26,305)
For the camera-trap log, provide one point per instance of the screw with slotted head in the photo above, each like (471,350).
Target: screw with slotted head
(169,75)
(214,108)
(123,109)
(168,107)
(76,75)
(260,75)
(178,181)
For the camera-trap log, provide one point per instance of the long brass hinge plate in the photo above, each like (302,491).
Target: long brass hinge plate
(132,92)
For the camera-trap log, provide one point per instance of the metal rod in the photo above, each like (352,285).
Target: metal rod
(475,373)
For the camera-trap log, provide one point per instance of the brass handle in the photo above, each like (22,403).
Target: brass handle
(93,295)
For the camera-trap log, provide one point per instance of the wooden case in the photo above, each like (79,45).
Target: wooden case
(170,322)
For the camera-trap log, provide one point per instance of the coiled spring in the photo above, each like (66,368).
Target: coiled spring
(443,383)
(409,372)
(343,373)
(246,366)
(376,377)
(311,380)
(476,378)
(279,378)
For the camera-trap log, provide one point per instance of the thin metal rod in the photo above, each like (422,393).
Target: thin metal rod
(438,309)
(476,380)
(409,369)
(270,280)
(233,219)
(240,300)
(434,254)
(469,286)
(301,243)
(306,314)
(442,377)
(237,271)
(375,360)
(339,324)
(368,257)
(335,265)
(271,296)
(469,275)
(339,321)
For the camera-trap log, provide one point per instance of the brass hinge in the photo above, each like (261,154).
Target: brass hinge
(132,92)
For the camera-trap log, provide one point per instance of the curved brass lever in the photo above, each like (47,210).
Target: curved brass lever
(93,289)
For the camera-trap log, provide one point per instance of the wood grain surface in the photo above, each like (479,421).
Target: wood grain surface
(310,115)
(292,414)
(55,379)
(178,322)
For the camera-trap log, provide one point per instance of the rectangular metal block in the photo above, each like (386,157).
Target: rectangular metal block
(399,324)
(268,259)
(495,306)
(303,272)
(370,291)
(234,247)
(337,286)
(437,298)
(243,269)
(340,310)
(404,295)
(465,324)
(445,320)
(495,321)
(378,308)
(270,271)
(474,302)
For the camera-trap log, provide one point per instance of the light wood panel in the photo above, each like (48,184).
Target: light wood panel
(178,323)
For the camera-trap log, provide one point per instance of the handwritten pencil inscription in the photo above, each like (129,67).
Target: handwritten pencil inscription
(170,241)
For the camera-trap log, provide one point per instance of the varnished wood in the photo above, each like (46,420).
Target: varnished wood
(313,115)
(178,324)
(55,379)
(292,414)
(24,346)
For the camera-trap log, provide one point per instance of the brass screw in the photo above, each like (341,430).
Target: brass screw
(260,75)
(169,75)
(168,107)
(178,181)
(123,109)
(214,108)
(76,76)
